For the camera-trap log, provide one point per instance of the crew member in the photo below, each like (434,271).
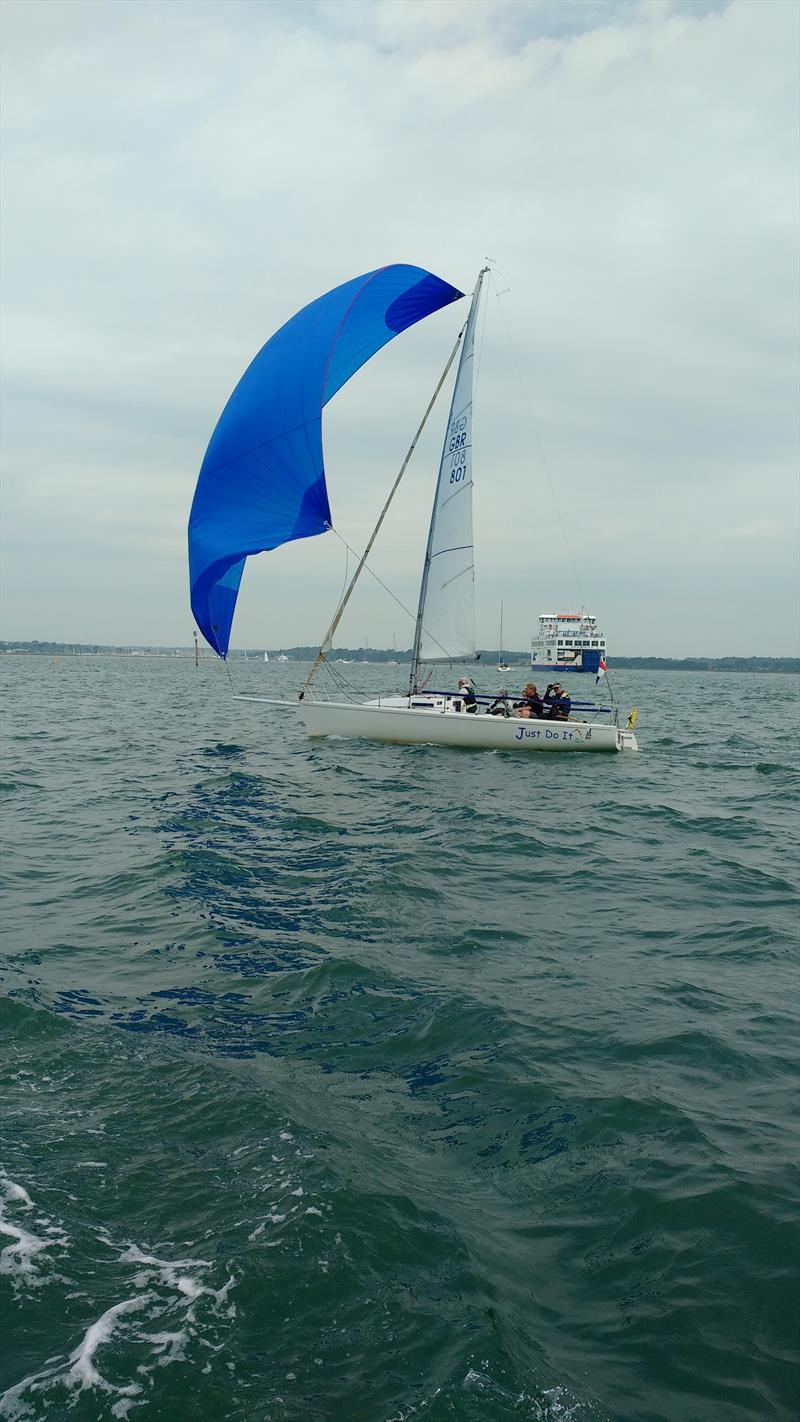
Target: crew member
(531,703)
(467,695)
(558,701)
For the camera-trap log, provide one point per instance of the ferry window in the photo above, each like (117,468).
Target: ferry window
(567,641)
(594,641)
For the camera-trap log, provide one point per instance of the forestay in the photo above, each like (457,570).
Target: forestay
(262,481)
(446,619)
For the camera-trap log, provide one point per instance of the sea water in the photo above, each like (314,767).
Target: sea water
(370,1083)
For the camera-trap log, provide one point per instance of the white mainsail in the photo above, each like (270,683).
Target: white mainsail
(446,617)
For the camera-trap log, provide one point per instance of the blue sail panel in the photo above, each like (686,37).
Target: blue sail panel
(262,481)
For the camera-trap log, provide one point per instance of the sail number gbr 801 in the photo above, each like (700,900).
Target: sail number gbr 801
(457,449)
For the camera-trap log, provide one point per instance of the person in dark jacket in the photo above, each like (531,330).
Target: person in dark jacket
(531,703)
(558,702)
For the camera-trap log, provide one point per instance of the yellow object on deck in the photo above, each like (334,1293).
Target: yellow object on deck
(632,718)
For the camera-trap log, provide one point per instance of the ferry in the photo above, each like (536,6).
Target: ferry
(567,642)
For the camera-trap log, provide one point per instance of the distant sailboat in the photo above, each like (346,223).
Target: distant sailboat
(266,656)
(262,484)
(281,657)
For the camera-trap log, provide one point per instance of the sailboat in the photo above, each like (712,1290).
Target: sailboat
(266,656)
(501,664)
(262,483)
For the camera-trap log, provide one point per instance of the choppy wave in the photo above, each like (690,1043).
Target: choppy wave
(357,1081)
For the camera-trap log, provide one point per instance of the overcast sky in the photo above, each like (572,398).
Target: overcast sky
(180,177)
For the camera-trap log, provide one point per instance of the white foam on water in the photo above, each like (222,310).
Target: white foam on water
(170,1308)
(555,1404)
(190,1288)
(168,1347)
(21,1259)
(171,1270)
(171,1273)
(17,1258)
(79,1373)
(12,1191)
(83,1371)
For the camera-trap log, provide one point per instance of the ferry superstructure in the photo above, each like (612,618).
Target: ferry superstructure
(567,642)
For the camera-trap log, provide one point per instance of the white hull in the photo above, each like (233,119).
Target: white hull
(405,726)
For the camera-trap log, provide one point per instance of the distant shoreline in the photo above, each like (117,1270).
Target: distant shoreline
(378,656)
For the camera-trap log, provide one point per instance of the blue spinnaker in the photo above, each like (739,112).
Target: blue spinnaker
(262,482)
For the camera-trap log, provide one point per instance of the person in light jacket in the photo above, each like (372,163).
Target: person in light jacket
(466,695)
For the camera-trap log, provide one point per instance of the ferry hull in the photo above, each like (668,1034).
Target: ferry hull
(404,726)
(566,668)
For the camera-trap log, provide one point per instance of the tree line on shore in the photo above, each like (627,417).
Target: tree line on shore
(377,654)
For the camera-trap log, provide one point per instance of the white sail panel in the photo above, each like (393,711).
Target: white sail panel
(447,606)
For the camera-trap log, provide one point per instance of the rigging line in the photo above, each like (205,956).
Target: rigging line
(341,683)
(346,687)
(334,672)
(610,690)
(344,580)
(400,604)
(540,447)
(328,638)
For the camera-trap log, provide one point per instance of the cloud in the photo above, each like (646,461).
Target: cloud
(180,178)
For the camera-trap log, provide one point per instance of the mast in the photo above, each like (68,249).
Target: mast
(466,354)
